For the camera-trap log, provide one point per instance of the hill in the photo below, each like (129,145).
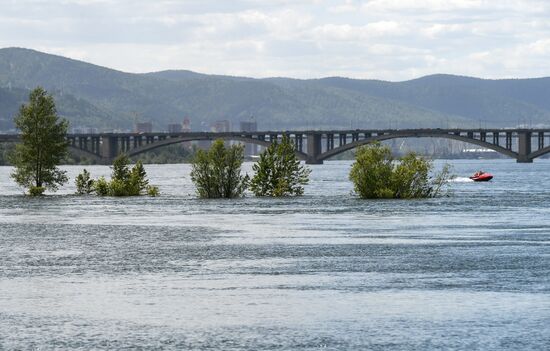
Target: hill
(94,96)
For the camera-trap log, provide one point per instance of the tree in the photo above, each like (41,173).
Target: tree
(84,183)
(137,180)
(375,174)
(372,172)
(126,181)
(216,173)
(43,145)
(120,170)
(278,172)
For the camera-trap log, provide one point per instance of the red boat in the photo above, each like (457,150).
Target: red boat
(481,176)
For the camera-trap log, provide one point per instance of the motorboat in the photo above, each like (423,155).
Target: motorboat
(481,176)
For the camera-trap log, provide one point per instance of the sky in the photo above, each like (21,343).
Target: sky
(377,39)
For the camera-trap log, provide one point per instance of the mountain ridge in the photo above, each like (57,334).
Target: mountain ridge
(95,96)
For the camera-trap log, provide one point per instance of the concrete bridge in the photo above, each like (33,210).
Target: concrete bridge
(313,146)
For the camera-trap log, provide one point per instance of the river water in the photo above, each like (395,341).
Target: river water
(470,271)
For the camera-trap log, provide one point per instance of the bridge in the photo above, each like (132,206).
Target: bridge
(313,146)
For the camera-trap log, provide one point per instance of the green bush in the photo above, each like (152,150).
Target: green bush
(375,175)
(278,172)
(137,181)
(36,190)
(124,181)
(118,188)
(216,173)
(101,187)
(84,183)
(372,172)
(153,190)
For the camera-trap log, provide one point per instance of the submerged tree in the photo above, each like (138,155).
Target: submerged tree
(120,178)
(84,183)
(216,173)
(278,172)
(43,145)
(372,172)
(375,174)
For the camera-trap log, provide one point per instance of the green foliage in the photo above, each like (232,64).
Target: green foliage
(372,172)
(120,169)
(278,172)
(124,181)
(101,187)
(217,173)
(120,188)
(153,190)
(43,144)
(138,178)
(375,175)
(84,183)
(36,190)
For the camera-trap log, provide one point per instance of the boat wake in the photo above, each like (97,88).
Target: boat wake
(461,180)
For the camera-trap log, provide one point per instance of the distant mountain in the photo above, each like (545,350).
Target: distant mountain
(94,96)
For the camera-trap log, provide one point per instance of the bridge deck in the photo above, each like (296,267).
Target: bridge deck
(314,145)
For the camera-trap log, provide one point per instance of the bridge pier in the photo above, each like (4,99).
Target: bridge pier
(314,149)
(109,147)
(524,147)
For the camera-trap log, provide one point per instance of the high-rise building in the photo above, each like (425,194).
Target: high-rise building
(186,127)
(175,128)
(144,127)
(221,126)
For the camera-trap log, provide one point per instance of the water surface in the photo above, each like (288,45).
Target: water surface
(323,271)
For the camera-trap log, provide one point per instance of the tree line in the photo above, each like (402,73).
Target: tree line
(216,173)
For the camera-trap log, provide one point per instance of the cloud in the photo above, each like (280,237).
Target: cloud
(384,39)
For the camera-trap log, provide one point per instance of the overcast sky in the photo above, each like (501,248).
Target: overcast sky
(382,39)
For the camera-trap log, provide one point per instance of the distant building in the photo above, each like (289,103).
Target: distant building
(144,127)
(221,126)
(175,128)
(186,126)
(249,126)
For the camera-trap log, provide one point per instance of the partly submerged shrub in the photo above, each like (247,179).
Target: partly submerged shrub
(101,187)
(36,190)
(153,190)
(216,173)
(124,181)
(278,172)
(84,183)
(375,174)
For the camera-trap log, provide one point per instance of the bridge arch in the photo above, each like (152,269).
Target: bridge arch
(540,152)
(330,153)
(172,141)
(81,152)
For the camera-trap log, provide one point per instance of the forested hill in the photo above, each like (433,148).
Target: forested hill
(94,96)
